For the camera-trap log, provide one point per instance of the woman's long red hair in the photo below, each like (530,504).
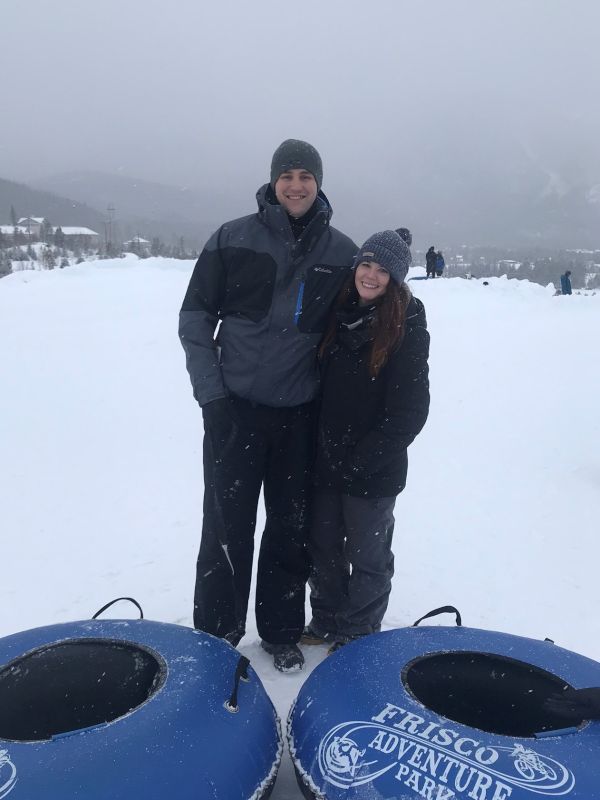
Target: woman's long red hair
(388,324)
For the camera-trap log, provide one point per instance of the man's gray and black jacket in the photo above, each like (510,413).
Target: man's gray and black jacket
(272,294)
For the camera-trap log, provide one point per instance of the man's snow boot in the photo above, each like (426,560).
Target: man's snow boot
(286,657)
(312,637)
(342,641)
(337,645)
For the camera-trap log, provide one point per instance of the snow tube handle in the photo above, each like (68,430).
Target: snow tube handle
(441,610)
(116,600)
(241,673)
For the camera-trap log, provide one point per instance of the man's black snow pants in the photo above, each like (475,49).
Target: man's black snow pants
(273,448)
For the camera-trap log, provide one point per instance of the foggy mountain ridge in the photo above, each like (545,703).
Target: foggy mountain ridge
(76,199)
(523,204)
(511,195)
(29,202)
(527,204)
(141,206)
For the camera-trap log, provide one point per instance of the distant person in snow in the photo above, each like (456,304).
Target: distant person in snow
(430,259)
(375,400)
(439,264)
(270,279)
(565,283)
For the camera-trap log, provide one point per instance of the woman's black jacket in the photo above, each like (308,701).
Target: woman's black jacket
(366,423)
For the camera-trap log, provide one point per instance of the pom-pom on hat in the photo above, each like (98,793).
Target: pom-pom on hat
(389,250)
(405,234)
(296,154)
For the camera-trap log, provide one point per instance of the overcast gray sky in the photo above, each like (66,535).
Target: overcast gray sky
(393,93)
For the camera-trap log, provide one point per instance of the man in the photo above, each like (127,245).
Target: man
(270,279)
(430,259)
(565,283)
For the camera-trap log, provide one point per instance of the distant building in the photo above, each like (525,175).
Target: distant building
(83,237)
(32,225)
(137,244)
(9,231)
(509,264)
(29,230)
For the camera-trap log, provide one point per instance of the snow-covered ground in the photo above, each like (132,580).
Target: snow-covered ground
(101,479)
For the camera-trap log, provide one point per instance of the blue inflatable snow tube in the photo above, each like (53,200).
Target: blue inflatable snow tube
(442,713)
(132,710)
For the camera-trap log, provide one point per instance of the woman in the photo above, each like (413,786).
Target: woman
(439,264)
(375,400)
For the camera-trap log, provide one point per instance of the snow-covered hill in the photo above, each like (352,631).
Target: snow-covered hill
(101,480)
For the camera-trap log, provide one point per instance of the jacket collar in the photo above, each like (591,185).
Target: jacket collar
(354,325)
(275,217)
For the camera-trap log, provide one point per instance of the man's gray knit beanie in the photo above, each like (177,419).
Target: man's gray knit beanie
(389,250)
(296,154)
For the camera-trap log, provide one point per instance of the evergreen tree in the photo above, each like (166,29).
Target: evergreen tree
(594,281)
(13,217)
(180,249)
(5,263)
(48,259)
(157,247)
(16,254)
(111,250)
(59,237)
(46,233)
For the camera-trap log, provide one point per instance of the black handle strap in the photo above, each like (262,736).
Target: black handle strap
(441,610)
(116,600)
(241,673)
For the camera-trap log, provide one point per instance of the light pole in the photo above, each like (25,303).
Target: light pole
(110,211)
